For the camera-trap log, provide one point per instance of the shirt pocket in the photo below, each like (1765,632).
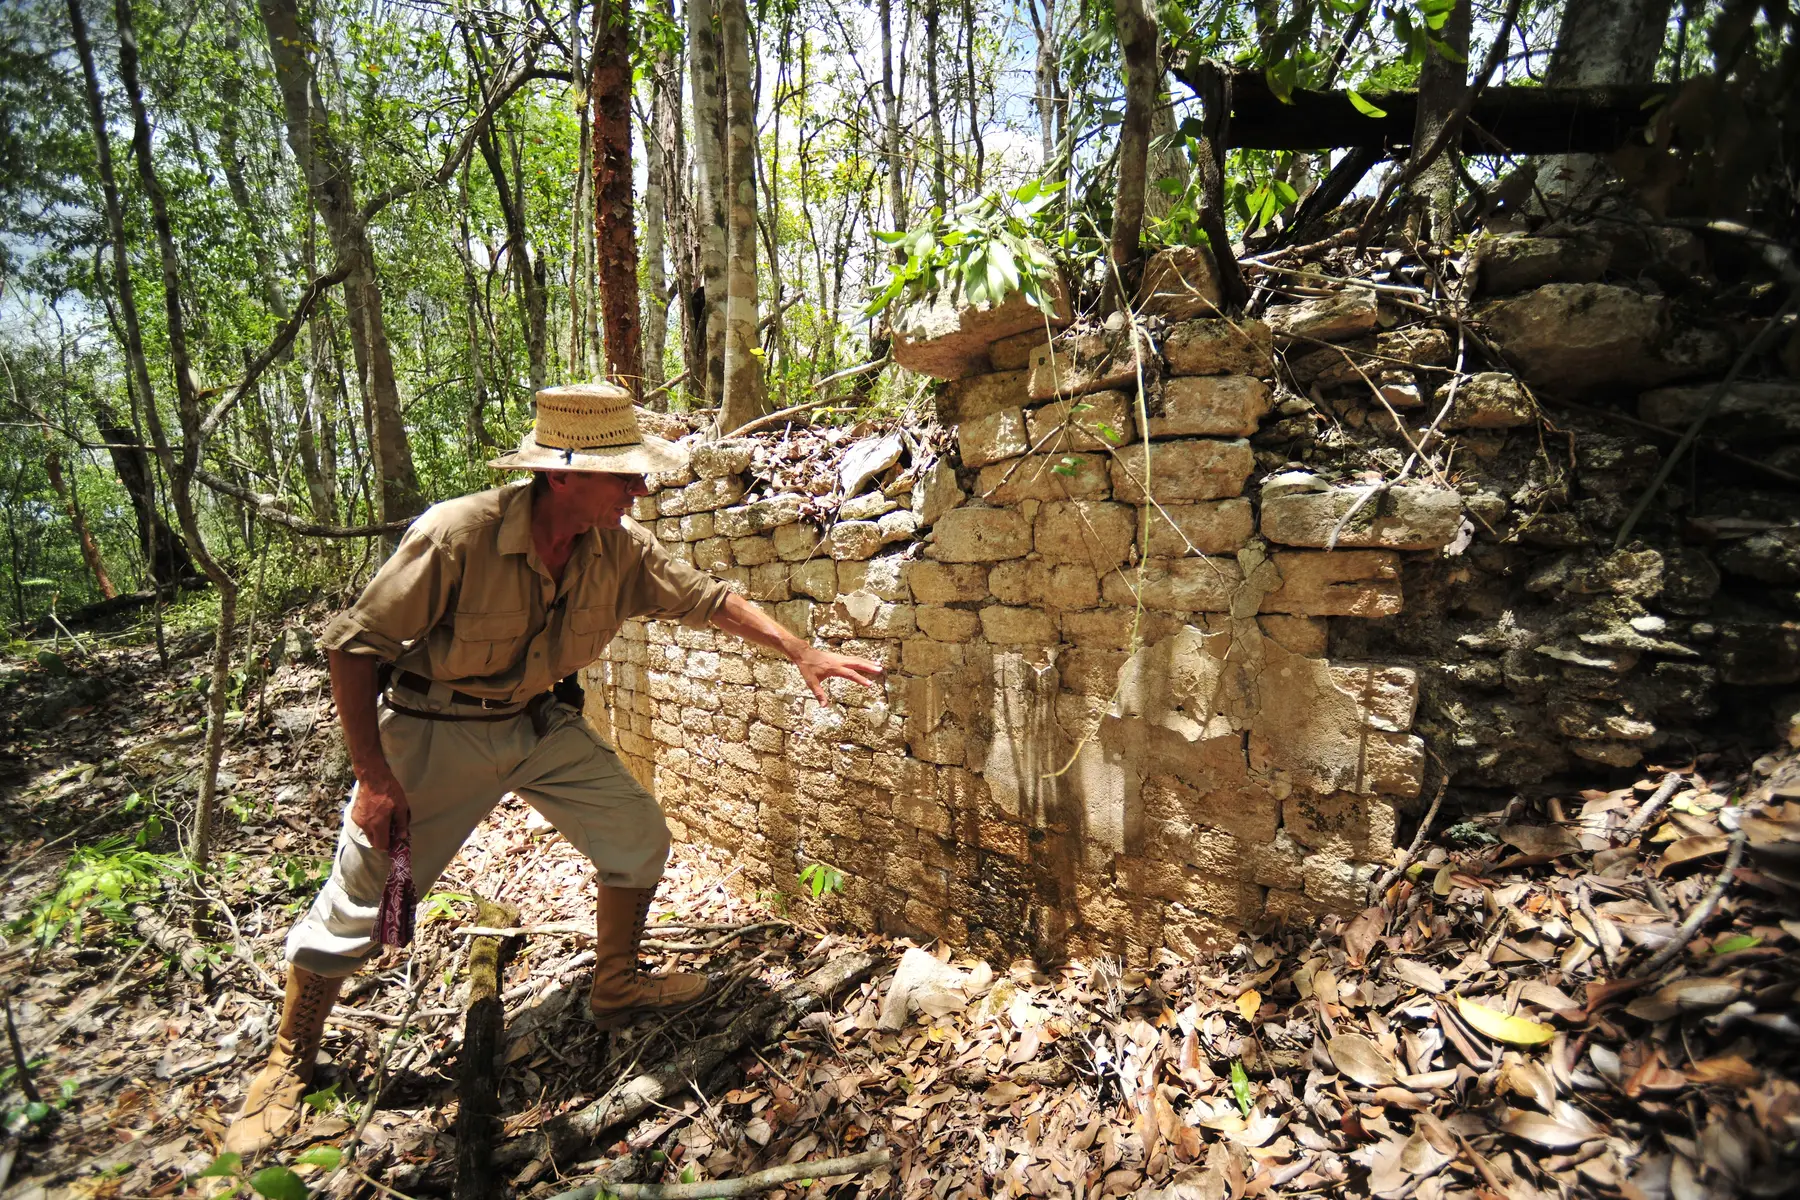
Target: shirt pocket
(485,643)
(589,628)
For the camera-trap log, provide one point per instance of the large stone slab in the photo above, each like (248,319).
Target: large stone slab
(1090,361)
(1218,346)
(966,535)
(1193,469)
(1092,422)
(1179,283)
(1095,533)
(1516,264)
(1338,317)
(1210,405)
(1570,338)
(1044,477)
(977,396)
(1749,411)
(946,337)
(1336,583)
(1409,517)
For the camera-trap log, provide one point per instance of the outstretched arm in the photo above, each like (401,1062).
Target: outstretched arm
(743,619)
(379,796)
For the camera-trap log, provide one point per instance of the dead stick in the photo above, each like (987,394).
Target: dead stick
(1657,799)
(747,1185)
(478,1123)
(1393,873)
(26,1084)
(1699,914)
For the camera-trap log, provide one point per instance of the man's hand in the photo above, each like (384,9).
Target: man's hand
(743,619)
(379,808)
(816,666)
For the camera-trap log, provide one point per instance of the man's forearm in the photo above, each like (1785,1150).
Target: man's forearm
(740,618)
(353,688)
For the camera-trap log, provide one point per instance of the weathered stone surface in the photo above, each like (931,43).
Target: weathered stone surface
(1305,636)
(759,517)
(1389,696)
(1014,353)
(1208,527)
(1336,583)
(1200,469)
(701,496)
(947,583)
(1004,626)
(850,540)
(721,460)
(1060,585)
(898,527)
(1093,422)
(966,535)
(1341,822)
(936,492)
(978,395)
(869,506)
(1750,410)
(1210,405)
(1177,584)
(1490,400)
(798,541)
(1217,346)
(1179,283)
(1568,338)
(1338,317)
(946,624)
(945,337)
(1408,517)
(884,575)
(1044,477)
(1515,264)
(695,528)
(713,554)
(1772,556)
(1759,652)
(987,439)
(816,578)
(1091,361)
(1096,533)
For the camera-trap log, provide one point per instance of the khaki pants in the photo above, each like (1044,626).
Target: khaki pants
(453,773)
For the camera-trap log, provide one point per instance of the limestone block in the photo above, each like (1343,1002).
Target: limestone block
(1108,628)
(1296,908)
(769,583)
(1277,863)
(644,508)
(719,460)
(1090,672)
(946,583)
(1177,584)
(1772,556)
(681,552)
(701,496)
(1490,400)
(1179,284)
(1044,477)
(898,526)
(946,624)
(1342,822)
(1058,586)
(1007,626)
(946,337)
(1570,337)
(944,746)
(1095,533)
(1338,317)
(753,551)
(796,617)
(759,517)
(1336,583)
(1090,361)
(1014,353)
(1217,346)
(816,578)
(668,529)
(1515,264)
(998,435)
(1224,800)
(1389,695)
(1193,469)
(981,395)
(884,575)
(1206,527)
(1091,422)
(1025,749)
(797,541)
(936,492)
(1228,405)
(1332,881)
(1408,517)
(697,527)
(1750,412)
(965,535)
(870,619)
(713,554)
(867,507)
(852,540)
(929,656)
(1393,764)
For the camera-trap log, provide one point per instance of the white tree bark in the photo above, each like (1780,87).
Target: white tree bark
(743,376)
(707,86)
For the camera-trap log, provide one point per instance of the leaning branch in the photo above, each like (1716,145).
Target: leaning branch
(284,337)
(269,509)
(794,410)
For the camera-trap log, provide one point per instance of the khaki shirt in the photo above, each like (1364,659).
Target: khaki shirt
(466,601)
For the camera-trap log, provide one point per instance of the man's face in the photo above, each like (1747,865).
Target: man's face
(593,499)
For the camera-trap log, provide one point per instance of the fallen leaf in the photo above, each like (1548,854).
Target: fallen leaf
(1361,936)
(1725,1070)
(1547,840)
(1690,848)
(1361,1059)
(1514,1031)
(1566,1127)
(1687,995)
(1248,1003)
(1420,975)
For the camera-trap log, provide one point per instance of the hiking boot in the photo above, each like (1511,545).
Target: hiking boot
(620,988)
(273,1105)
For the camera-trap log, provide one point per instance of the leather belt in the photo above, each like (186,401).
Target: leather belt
(414,682)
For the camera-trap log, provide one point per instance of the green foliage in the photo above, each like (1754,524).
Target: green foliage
(987,249)
(105,880)
(1240,1086)
(821,879)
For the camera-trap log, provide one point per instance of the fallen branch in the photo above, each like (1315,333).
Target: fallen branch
(478,1123)
(768,1020)
(1412,851)
(1650,807)
(1699,914)
(794,410)
(747,1185)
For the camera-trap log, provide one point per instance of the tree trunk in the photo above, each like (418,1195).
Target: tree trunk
(1598,42)
(581,225)
(1442,84)
(527,268)
(1051,104)
(744,392)
(709,301)
(1136,24)
(890,108)
(1168,162)
(90,552)
(939,184)
(656,185)
(165,558)
(974,95)
(615,232)
(330,179)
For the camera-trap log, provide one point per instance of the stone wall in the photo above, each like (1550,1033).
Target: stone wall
(1156,620)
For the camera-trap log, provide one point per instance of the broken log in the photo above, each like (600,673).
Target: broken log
(478,1123)
(747,1185)
(768,1020)
(1507,119)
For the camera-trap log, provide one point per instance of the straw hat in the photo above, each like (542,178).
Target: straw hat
(590,427)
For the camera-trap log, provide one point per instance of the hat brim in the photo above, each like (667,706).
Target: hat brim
(652,456)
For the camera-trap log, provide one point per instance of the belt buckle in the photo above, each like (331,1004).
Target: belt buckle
(494,705)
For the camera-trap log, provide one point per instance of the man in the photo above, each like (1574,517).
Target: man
(486,604)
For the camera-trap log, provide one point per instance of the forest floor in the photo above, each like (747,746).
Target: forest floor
(1593,995)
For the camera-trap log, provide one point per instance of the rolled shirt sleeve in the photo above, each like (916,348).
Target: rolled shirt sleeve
(408,596)
(666,588)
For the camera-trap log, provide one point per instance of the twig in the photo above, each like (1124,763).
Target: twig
(1585,904)
(378,1185)
(793,410)
(1394,872)
(1778,324)
(1650,807)
(1699,914)
(12,1036)
(362,1122)
(747,1185)
(659,390)
(1658,901)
